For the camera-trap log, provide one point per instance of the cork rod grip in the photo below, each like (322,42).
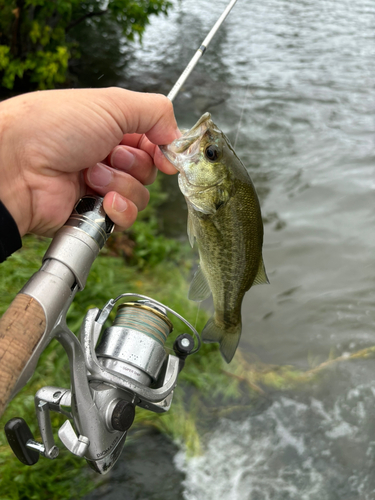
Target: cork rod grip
(21,328)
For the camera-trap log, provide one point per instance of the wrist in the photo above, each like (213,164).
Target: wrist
(14,197)
(10,239)
(13,209)
(13,189)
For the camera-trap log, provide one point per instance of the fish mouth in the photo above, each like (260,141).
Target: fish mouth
(188,144)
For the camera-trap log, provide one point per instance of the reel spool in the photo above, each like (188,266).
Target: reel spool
(134,345)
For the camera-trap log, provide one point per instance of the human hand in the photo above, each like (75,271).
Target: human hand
(58,145)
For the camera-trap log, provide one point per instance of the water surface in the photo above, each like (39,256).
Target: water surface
(299,77)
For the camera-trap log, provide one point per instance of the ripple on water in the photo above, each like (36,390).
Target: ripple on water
(299,74)
(294,450)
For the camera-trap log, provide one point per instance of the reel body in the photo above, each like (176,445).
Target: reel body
(111,372)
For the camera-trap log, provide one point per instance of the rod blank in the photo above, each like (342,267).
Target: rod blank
(199,53)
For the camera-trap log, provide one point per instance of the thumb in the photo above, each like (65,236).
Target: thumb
(149,114)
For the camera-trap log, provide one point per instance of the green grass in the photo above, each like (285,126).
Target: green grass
(68,476)
(207,386)
(157,267)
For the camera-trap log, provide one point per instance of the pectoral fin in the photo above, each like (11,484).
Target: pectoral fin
(203,205)
(199,288)
(261,277)
(209,200)
(190,230)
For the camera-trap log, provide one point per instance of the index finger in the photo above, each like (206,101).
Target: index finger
(140,141)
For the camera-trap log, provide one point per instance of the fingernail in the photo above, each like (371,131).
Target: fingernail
(119,203)
(122,159)
(100,175)
(178,133)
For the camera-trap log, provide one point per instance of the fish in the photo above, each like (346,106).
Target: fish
(224,217)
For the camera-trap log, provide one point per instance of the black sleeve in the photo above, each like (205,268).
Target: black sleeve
(10,239)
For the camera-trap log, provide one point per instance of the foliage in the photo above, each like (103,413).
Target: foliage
(150,247)
(61,478)
(207,388)
(34,50)
(66,477)
(69,477)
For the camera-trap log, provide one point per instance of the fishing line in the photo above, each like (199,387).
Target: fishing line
(242,110)
(196,319)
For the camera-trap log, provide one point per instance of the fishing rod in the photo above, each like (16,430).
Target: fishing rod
(111,372)
(199,53)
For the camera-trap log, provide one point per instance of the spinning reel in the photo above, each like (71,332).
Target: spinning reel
(112,371)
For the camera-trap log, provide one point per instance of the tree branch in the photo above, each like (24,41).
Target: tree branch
(86,16)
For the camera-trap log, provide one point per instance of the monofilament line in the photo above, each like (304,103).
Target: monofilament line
(242,110)
(198,309)
(199,53)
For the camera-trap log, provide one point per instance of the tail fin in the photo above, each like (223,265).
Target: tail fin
(228,340)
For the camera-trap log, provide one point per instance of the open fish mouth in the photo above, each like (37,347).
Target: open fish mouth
(188,144)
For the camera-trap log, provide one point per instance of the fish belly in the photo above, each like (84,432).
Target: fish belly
(230,249)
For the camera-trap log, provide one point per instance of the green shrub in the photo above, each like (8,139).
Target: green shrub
(34,51)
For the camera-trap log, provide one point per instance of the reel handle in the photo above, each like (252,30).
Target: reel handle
(19,436)
(21,329)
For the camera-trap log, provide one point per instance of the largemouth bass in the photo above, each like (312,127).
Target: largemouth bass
(224,217)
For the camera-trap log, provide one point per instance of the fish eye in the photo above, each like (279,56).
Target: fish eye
(212,152)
